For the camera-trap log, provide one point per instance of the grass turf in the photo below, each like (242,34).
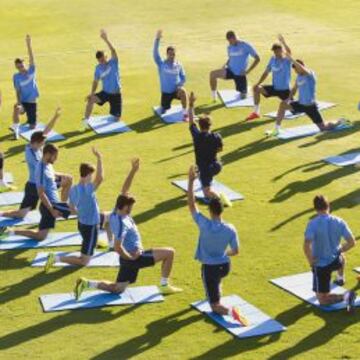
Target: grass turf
(277,178)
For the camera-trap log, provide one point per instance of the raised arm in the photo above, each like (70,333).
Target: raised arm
(156,53)
(284,44)
(53,121)
(135,164)
(182,77)
(298,66)
(30,51)
(192,100)
(104,36)
(190,194)
(99,177)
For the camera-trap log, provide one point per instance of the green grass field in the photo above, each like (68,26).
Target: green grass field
(277,178)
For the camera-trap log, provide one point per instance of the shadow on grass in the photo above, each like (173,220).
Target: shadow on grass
(149,123)
(155,333)
(26,286)
(9,260)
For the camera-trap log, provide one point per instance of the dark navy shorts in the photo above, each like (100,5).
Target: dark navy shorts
(30,110)
(239,80)
(207,173)
(115,101)
(166,100)
(322,275)
(311,111)
(129,269)
(271,92)
(47,221)
(212,276)
(31,197)
(89,234)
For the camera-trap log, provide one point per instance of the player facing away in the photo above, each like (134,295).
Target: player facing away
(207,145)
(172,78)
(82,199)
(47,184)
(280,68)
(325,252)
(128,245)
(218,241)
(107,71)
(26,90)
(306,85)
(236,68)
(33,155)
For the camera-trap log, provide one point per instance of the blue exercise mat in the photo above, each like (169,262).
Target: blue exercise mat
(259,323)
(8,178)
(217,186)
(300,285)
(107,124)
(53,240)
(98,298)
(99,259)
(32,218)
(305,130)
(231,99)
(344,160)
(172,116)
(26,132)
(11,198)
(322,105)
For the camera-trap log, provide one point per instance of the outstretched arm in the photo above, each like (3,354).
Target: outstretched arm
(283,42)
(192,100)
(30,51)
(298,66)
(182,77)
(135,164)
(53,121)
(190,194)
(99,177)
(156,53)
(104,36)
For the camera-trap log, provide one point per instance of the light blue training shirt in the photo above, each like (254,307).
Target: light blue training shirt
(45,177)
(25,84)
(172,74)
(109,74)
(83,198)
(239,56)
(325,233)
(307,88)
(280,69)
(214,239)
(32,158)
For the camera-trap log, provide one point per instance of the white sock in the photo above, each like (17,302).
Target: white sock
(2,182)
(93,284)
(164,281)
(214,94)
(11,232)
(346,296)
(340,277)
(277,127)
(185,111)
(257,109)
(57,258)
(16,126)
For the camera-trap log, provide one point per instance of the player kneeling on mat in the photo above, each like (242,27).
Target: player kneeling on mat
(213,249)
(128,245)
(325,253)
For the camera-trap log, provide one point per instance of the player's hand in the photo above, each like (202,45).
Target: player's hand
(103,34)
(192,99)
(88,97)
(135,164)
(96,152)
(159,34)
(135,255)
(281,38)
(312,261)
(192,173)
(28,39)
(55,213)
(58,111)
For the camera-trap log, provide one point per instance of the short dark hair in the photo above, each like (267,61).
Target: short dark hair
(18,61)
(216,206)
(99,54)
(321,203)
(205,122)
(37,137)
(276,46)
(86,169)
(50,149)
(124,200)
(230,34)
(170,48)
(300,62)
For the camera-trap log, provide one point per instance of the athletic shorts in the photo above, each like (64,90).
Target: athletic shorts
(115,101)
(166,100)
(239,80)
(47,221)
(207,173)
(322,275)
(31,197)
(89,234)
(311,111)
(212,276)
(30,109)
(271,92)
(129,269)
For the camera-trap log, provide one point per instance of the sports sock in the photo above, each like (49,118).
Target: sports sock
(340,277)
(185,111)
(57,258)
(277,127)
(214,94)
(2,182)
(257,109)
(93,284)
(164,281)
